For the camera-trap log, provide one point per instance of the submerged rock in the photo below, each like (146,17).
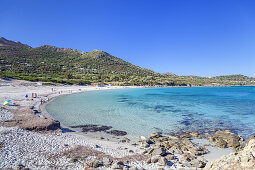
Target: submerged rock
(92,128)
(98,128)
(117,132)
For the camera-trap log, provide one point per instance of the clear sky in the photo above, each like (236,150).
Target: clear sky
(187,37)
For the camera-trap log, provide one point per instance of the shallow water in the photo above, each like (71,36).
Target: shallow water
(146,110)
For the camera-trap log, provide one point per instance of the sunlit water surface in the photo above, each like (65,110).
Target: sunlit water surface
(146,110)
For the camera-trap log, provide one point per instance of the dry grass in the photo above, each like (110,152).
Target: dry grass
(81,152)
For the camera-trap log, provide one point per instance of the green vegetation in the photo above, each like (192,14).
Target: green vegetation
(64,65)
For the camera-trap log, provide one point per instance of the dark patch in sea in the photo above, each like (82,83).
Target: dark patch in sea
(159,108)
(131,103)
(123,101)
(117,132)
(92,128)
(188,114)
(123,98)
(98,128)
(153,94)
(176,110)
(206,125)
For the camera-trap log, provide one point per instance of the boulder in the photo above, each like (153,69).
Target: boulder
(162,161)
(198,163)
(156,135)
(170,157)
(159,151)
(142,138)
(194,134)
(243,159)
(117,165)
(187,157)
(149,141)
(154,159)
(93,163)
(220,143)
(175,150)
(107,161)
(148,161)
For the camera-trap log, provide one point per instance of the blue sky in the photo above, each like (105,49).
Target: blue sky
(187,37)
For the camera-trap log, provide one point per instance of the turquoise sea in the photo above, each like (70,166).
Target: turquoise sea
(145,110)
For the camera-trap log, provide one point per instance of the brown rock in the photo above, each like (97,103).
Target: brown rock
(159,151)
(220,143)
(170,157)
(187,157)
(154,159)
(93,163)
(162,161)
(198,163)
(244,159)
(117,165)
(107,161)
(155,135)
(194,134)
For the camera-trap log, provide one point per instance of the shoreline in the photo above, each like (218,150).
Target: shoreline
(110,147)
(46,114)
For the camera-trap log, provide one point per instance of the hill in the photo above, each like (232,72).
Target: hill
(8,43)
(65,65)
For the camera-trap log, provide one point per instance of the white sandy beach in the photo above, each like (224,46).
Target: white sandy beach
(41,150)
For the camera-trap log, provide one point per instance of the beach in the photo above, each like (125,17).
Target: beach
(31,138)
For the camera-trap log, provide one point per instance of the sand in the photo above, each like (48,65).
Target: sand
(39,150)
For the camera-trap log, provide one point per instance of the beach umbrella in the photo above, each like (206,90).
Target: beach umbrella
(7,102)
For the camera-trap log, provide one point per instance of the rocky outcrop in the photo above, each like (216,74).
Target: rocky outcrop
(25,118)
(171,151)
(45,125)
(244,159)
(225,138)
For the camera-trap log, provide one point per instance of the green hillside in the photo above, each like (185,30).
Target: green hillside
(65,65)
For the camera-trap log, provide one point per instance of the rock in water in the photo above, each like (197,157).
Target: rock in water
(117,132)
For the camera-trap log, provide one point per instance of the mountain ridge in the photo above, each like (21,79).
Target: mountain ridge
(66,65)
(9,43)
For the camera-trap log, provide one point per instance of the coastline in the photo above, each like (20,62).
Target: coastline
(115,149)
